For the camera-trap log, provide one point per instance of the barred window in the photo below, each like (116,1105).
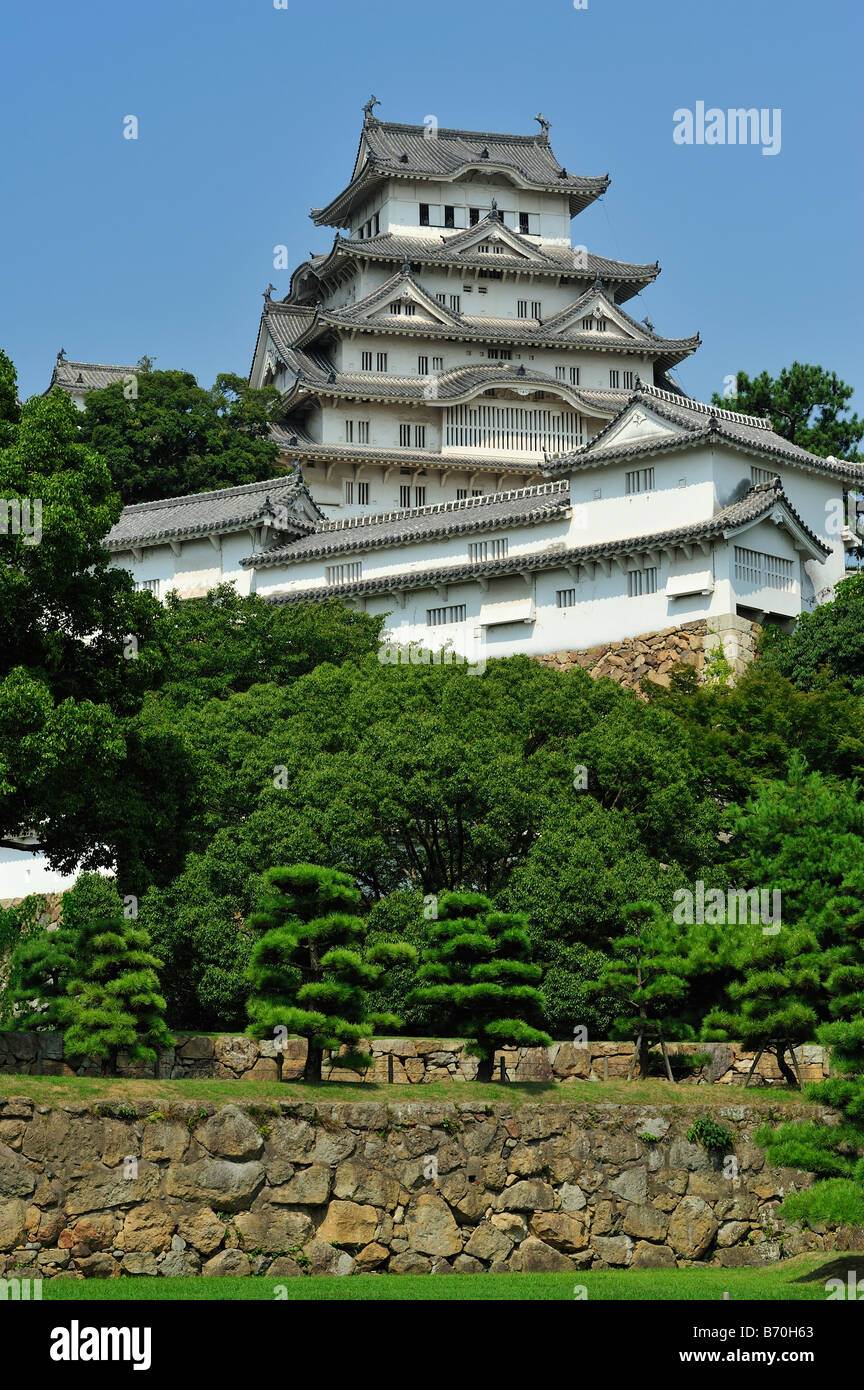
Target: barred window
(762,475)
(419,497)
(147,586)
(437,364)
(366,361)
(574,376)
(614,380)
(565,598)
(345,573)
(450,613)
(382,362)
(763,571)
(641,582)
(419,436)
(488,550)
(422,366)
(349,490)
(405,495)
(640,480)
(629,379)
(362,431)
(363,494)
(405,436)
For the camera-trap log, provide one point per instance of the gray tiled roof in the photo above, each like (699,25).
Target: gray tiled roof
(519,507)
(389,150)
(700,422)
(432,250)
(759,502)
(287,329)
(315,375)
(87,376)
(224,510)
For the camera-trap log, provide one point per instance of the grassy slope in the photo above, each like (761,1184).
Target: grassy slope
(774,1283)
(59,1090)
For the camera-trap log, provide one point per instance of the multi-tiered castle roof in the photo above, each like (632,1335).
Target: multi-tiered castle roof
(453,335)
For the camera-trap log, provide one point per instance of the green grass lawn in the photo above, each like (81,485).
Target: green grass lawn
(774,1283)
(58,1090)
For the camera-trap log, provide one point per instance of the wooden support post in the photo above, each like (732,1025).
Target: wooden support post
(636,1048)
(754,1066)
(666,1060)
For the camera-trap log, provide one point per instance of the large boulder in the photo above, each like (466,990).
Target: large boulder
(692,1228)
(430,1226)
(349,1223)
(230,1134)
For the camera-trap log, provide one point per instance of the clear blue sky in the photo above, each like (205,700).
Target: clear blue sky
(249,115)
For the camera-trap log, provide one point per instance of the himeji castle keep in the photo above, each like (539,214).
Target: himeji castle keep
(482,443)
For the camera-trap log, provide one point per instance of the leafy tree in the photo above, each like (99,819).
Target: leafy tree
(9,408)
(805,405)
(175,437)
(309,970)
(67,684)
(114,1001)
(224,642)
(478,975)
(827,644)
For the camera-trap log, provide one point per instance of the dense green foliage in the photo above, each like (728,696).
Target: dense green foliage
(163,435)
(311,970)
(477,976)
(828,644)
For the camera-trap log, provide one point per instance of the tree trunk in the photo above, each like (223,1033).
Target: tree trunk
(644,1048)
(666,1060)
(786,1071)
(314,1058)
(484,1068)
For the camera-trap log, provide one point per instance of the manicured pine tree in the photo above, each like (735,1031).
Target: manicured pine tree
(42,966)
(309,971)
(835,1152)
(775,1000)
(478,974)
(648,973)
(115,1002)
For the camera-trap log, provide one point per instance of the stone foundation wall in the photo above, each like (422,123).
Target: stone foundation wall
(411,1061)
(653,655)
(293,1188)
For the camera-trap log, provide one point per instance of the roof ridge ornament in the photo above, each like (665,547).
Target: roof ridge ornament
(368,110)
(544,126)
(269,290)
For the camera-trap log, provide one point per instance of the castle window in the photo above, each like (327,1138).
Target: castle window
(614,379)
(419,497)
(473,217)
(363,494)
(565,598)
(521,308)
(419,436)
(488,550)
(147,586)
(536,309)
(442,298)
(561,373)
(574,376)
(763,571)
(761,475)
(405,436)
(448,217)
(451,613)
(641,582)
(629,379)
(382,361)
(349,491)
(343,574)
(437,364)
(640,480)
(366,361)
(362,431)
(461,494)
(455,303)
(422,366)
(424,214)
(523,222)
(504,354)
